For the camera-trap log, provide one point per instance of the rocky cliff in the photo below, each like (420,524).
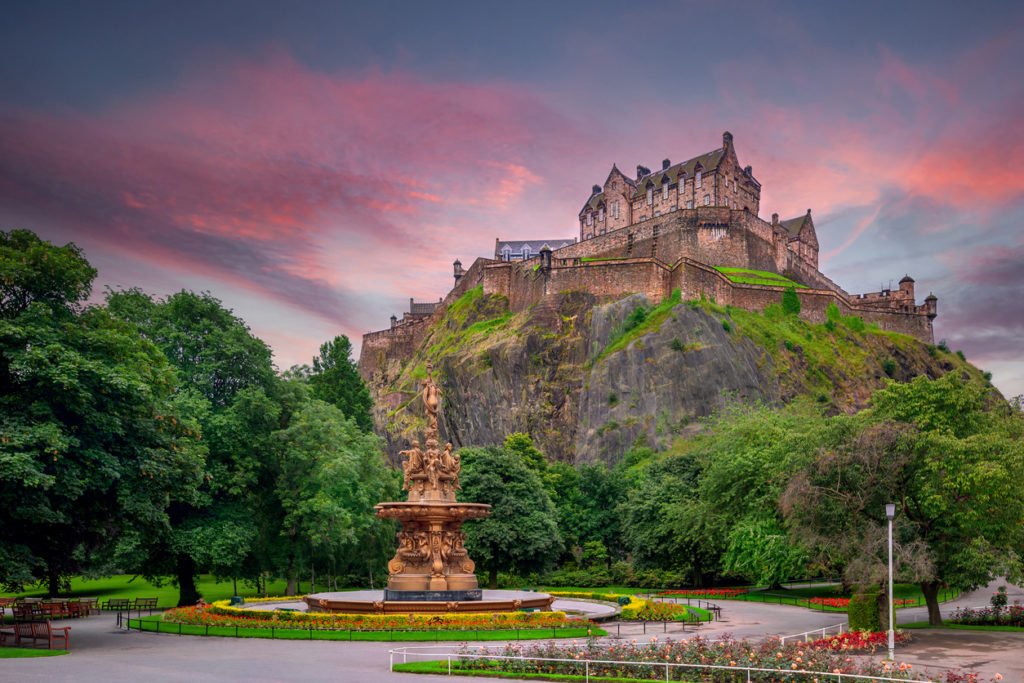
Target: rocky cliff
(588,380)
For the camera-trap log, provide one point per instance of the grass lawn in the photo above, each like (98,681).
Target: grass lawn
(127,586)
(154,624)
(13,652)
(965,627)
(441,667)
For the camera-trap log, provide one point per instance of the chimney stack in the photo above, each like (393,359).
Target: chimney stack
(665,163)
(596,189)
(726,140)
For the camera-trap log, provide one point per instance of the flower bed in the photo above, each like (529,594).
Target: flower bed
(990,616)
(219,614)
(620,661)
(708,592)
(858,640)
(639,609)
(843,603)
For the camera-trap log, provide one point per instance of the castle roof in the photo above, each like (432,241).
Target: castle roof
(515,247)
(688,168)
(906,278)
(793,226)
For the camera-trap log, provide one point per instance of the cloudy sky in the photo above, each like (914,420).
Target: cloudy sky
(315,164)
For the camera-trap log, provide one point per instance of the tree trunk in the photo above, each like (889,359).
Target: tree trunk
(492,578)
(931,598)
(52,583)
(188,594)
(290,588)
(234,585)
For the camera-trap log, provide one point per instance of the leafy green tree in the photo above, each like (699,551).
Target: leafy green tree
(760,549)
(331,476)
(213,350)
(335,379)
(954,469)
(92,447)
(790,301)
(237,401)
(665,523)
(521,534)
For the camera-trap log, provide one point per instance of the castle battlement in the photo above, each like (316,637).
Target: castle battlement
(669,229)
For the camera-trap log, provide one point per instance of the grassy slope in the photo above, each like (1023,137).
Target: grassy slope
(125,586)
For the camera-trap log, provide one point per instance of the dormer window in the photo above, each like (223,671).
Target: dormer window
(664,189)
(601,216)
(590,218)
(506,254)
(526,251)
(697,179)
(650,196)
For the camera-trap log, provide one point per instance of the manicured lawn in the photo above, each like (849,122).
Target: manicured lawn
(13,652)
(441,667)
(126,586)
(964,627)
(154,624)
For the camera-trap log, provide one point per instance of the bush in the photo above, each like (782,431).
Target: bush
(790,301)
(726,326)
(943,346)
(855,323)
(889,366)
(863,612)
(676,345)
(961,355)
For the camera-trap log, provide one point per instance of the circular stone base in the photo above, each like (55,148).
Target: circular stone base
(374,602)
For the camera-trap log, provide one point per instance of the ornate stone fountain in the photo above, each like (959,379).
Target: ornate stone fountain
(431,571)
(431,562)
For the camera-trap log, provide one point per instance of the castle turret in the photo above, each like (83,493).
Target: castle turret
(459,272)
(907,287)
(931,304)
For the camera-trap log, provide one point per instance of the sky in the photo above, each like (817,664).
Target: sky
(315,164)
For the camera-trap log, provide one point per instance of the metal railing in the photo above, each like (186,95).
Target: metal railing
(806,635)
(406,652)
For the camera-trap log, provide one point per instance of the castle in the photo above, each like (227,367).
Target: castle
(691,226)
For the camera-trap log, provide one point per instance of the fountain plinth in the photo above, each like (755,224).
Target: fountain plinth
(431,571)
(431,562)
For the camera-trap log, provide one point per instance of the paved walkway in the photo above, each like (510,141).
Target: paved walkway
(100,652)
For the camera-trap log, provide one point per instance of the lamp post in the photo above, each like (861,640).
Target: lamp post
(890,512)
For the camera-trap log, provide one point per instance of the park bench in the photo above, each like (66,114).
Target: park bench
(117,604)
(145,603)
(29,611)
(41,630)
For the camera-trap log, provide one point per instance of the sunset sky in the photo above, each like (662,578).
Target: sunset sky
(315,164)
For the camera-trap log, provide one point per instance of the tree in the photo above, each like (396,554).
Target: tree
(335,379)
(213,350)
(790,301)
(238,403)
(953,468)
(93,449)
(331,476)
(521,534)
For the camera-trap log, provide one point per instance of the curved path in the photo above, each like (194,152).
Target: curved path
(100,652)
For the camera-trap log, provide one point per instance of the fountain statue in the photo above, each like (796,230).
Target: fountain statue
(431,562)
(431,571)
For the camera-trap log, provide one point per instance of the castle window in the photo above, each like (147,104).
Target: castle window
(650,196)
(697,179)
(506,254)
(643,218)
(707,200)
(526,251)
(616,208)
(601,217)
(657,213)
(664,190)
(590,218)
(590,237)
(689,203)
(603,231)
(615,184)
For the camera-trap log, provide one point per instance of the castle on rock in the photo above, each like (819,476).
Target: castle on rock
(692,226)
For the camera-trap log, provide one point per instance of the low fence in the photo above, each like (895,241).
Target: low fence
(668,667)
(806,635)
(310,633)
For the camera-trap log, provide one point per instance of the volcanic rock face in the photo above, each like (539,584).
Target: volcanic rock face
(587,381)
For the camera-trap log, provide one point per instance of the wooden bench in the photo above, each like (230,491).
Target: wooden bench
(41,630)
(145,603)
(118,604)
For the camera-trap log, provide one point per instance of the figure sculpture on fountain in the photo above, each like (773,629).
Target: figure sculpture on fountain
(431,561)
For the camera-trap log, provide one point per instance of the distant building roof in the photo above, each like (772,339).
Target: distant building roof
(793,226)
(688,168)
(515,247)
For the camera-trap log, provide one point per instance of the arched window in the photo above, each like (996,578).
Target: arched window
(601,216)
